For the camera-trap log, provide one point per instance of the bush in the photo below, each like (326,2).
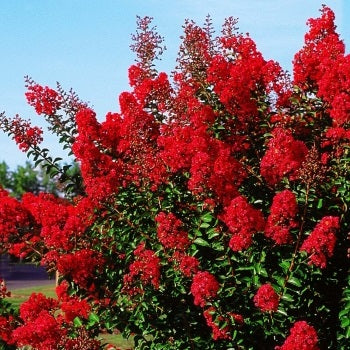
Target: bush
(212,212)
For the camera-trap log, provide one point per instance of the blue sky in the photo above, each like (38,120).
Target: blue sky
(84,44)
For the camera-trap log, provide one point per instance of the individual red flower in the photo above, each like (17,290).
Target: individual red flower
(266,299)
(302,337)
(204,287)
(281,220)
(321,241)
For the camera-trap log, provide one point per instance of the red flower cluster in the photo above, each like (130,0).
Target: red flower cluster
(266,299)
(146,267)
(40,329)
(188,265)
(43,99)
(222,325)
(321,241)
(243,221)
(61,223)
(15,222)
(204,287)
(321,64)
(302,337)
(283,157)
(281,220)
(24,134)
(44,327)
(81,266)
(7,325)
(99,171)
(213,323)
(74,307)
(238,75)
(169,232)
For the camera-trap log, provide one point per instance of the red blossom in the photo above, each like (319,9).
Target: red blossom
(146,267)
(213,321)
(24,134)
(43,99)
(281,220)
(37,302)
(188,265)
(302,337)
(266,299)
(204,287)
(7,325)
(43,332)
(243,221)
(170,233)
(81,266)
(321,241)
(74,307)
(283,157)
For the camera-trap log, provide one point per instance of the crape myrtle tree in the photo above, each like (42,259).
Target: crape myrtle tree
(212,210)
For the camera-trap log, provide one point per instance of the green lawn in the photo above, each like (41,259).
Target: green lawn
(18,296)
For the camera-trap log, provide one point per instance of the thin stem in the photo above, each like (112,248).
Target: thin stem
(300,234)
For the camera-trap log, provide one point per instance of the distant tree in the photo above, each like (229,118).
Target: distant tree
(28,178)
(5,176)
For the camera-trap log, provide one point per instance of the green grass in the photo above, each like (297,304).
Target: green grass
(18,296)
(117,340)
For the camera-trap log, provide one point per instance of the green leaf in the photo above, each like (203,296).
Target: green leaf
(77,322)
(93,318)
(200,241)
(287,297)
(204,225)
(294,281)
(207,217)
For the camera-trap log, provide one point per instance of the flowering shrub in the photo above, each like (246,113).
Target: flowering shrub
(211,212)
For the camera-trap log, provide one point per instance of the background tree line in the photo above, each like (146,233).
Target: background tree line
(28,178)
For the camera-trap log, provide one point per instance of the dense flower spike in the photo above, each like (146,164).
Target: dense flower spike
(243,221)
(81,266)
(43,99)
(321,241)
(266,299)
(170,232)
(282,217)
(188,265)
(25,135)
(204,287)
(302,336)
(283,157)
(146,267)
